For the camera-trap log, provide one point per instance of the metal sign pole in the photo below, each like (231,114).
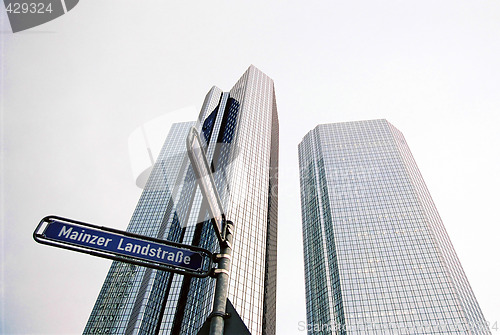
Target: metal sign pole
(203,173)
(222,284)
(206,181)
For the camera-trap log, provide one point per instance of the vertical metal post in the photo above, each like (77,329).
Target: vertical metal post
(222,284)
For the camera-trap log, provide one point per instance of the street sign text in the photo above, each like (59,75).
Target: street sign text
(105,242)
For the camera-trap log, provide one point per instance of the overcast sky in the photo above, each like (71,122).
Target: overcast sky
(74,89)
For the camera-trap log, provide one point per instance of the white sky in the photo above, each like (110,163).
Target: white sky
(75,88)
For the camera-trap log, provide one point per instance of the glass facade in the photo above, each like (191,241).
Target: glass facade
(240,129)
(377,257)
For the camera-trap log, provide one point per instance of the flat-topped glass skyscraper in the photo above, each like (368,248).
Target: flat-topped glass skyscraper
(240,128)
(377,257)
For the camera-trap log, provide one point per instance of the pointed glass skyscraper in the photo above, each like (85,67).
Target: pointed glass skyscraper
(377,257)
(240,129)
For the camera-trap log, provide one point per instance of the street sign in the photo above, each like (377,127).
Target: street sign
(205,180)
(123,246)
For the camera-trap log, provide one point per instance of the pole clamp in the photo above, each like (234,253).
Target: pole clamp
(229,228)
(222,315)
(215,272)
(218,257)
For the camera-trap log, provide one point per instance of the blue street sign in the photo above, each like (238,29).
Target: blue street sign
(123,246)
